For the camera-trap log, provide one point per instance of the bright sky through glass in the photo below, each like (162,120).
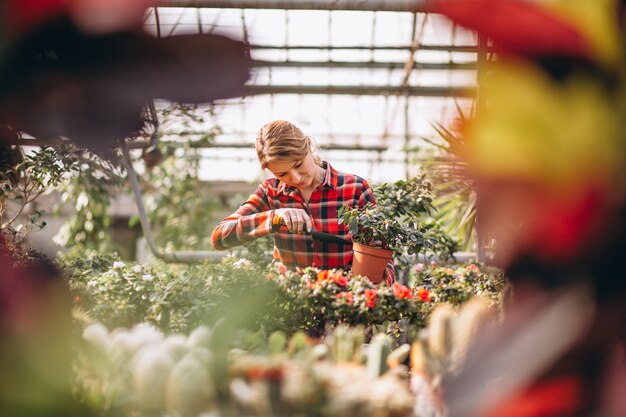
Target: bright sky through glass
(333,120)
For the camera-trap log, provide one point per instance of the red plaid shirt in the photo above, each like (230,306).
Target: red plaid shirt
(254,219)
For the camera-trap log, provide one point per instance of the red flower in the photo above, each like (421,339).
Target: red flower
(520,27)
(401,291)
(423,294)
(347,296)
(371,296)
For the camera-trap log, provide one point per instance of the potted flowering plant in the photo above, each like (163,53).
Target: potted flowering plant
(397,224)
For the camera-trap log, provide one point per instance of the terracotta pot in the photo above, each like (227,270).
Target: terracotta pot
(370,262)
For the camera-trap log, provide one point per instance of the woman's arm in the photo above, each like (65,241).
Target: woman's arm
(252,220)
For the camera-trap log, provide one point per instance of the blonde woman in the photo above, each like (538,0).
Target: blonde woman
(305,192)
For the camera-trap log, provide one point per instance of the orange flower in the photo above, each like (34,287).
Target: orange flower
(347,296)
(401,291)
(322,276)
(423,294)
(371,296)
(339,279)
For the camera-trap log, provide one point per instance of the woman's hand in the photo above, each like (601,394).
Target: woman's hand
(296,220)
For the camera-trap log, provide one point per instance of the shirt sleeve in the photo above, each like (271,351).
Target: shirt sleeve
(390,273)
(252,220)
(366,195)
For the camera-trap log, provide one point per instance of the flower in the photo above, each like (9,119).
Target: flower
(419,267)
(401,291)
(339,279)
(472,267)
(242,263)
(147,277)
(346,296)
(371,296)
(423,294)
(322,276)
(137,269)
(118,265)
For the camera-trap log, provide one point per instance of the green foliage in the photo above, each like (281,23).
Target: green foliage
(89,194)
(259,251)
(174,298)
(23,179)
(177,202)
(457,285)
(399,221)
(455,191)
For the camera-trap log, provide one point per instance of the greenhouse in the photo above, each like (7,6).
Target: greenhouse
(312,208)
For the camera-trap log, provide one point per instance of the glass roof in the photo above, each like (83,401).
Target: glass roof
(340,76)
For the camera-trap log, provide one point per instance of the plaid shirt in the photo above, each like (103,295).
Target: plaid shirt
(254,219)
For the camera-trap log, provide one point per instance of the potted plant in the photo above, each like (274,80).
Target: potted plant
(397,224)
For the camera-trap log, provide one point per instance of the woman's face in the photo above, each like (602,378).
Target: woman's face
(301,174)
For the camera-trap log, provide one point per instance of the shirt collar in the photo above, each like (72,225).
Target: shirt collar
(332,176)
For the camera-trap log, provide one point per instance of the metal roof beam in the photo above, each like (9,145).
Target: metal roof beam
(366,64)
(358,90)
(359,5)
(448,48)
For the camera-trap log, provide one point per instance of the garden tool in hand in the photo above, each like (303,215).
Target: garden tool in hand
(279,222)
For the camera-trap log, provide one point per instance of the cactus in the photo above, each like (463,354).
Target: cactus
(377,353)
(440,333)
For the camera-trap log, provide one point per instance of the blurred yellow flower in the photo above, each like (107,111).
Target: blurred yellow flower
(533,128)
(597,20)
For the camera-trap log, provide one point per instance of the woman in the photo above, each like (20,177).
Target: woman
(305,192)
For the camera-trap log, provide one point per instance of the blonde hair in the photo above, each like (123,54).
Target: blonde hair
(281,140)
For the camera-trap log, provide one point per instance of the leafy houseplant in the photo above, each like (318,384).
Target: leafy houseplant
(397,224)
(456,190)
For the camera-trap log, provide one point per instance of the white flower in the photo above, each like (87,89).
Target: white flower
(92,283)
(118,265)
(241,263)
(147,277)
(137,269)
